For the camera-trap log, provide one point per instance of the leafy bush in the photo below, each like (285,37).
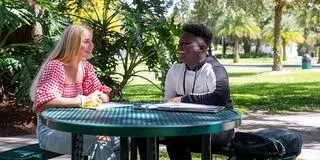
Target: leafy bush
(304,48)
(256,55)
(18,66)
(220,56)
(149,37)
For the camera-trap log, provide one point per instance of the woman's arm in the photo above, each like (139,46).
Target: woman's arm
(64,102)
(76,101)
(92,84)
(49,86)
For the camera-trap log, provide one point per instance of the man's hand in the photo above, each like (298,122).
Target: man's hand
(175,99)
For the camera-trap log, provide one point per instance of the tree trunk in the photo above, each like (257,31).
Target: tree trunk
(284,51)
(1,92)
(236,56)
(277,57)
(36,28)
(210,51)
(119,90)
(258,46)
(247,45)
(224,48)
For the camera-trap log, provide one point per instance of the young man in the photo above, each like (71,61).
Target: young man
(199,79)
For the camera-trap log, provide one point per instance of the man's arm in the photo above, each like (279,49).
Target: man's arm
(219,96)
(169,88)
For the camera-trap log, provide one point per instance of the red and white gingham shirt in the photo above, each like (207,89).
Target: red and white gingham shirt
(52,85)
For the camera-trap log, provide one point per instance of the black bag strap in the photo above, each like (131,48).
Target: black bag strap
(278,146)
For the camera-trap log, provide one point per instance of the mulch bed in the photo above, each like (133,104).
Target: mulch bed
(16,120)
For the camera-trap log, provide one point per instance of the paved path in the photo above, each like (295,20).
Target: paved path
(291,63)
(306,123)
(286,66)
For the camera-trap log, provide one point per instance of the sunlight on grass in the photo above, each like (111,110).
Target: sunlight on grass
(287,90)
(269,61)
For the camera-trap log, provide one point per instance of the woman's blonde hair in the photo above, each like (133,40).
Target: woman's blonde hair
(66,50)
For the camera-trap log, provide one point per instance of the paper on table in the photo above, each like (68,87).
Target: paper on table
(109,105)
(184,107)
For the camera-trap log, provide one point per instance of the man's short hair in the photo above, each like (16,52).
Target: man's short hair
(199,30)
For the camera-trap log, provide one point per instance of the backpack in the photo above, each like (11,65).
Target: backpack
(265,144)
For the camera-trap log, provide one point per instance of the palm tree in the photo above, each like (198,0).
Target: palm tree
(237,25)
(37,27)
(310,18)
(277,58)
(279,5)
(290,32)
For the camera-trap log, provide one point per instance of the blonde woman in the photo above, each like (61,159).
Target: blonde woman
(67,79)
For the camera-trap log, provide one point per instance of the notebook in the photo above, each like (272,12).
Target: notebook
(182,107)
(108,105)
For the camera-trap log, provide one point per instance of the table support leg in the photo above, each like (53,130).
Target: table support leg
(157,148)
(133,150)
(124,150)
(76,147)
(152,153)
(206,147)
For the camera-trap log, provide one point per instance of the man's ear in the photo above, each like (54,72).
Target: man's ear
(203,47)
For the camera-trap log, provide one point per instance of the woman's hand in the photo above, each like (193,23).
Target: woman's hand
(103,138)
(93,95)
(91,101)
(104,97)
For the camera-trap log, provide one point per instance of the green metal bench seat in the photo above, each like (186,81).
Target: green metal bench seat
(28,152)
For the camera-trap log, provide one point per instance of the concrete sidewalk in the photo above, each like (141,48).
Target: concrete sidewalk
(306,123)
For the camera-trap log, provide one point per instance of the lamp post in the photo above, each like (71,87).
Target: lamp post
(318,39)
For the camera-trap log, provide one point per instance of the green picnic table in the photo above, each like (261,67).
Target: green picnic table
(127,122)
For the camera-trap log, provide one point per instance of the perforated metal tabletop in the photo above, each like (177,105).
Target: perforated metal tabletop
(127,121)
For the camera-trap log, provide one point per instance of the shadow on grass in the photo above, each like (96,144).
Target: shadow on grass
(277,96)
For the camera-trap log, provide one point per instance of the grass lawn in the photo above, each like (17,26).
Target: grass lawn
(290,61)
(195,156)
(252,88)
(288,90)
